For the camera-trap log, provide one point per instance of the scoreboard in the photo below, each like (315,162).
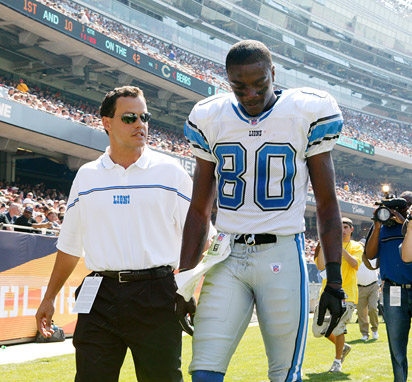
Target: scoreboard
(354,144)
(92,37)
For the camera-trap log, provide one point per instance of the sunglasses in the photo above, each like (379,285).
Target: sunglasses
(130,118)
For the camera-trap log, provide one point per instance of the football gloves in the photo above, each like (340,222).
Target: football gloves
(185,311)
(333,300)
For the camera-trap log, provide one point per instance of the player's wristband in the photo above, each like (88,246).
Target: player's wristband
(333,273)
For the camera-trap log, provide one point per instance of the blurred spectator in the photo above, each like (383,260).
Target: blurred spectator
(4,219)
(83,18)
(22,86)
(52,217)
(26,220)
(13,213)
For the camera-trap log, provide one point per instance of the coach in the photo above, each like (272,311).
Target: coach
(383,243)
(125,215)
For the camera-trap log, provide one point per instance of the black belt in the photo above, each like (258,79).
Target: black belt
(368,284)
(143,274)
(406,286)
(255,239)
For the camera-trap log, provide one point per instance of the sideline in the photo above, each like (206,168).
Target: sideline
(28,352)
(20,353)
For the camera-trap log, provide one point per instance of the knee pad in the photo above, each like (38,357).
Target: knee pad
(207,376)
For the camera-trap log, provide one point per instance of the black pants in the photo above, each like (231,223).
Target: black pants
(138,315)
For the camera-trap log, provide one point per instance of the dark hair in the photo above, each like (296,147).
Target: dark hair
(407,195)
(248,52)
(108,106)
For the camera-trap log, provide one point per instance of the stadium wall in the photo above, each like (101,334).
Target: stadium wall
(26,264)
(26,119)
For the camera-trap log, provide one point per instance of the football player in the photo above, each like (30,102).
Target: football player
(257,148)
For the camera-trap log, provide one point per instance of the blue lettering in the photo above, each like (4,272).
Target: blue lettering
(121,199)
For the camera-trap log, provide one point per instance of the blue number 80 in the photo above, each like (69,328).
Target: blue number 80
(232,165)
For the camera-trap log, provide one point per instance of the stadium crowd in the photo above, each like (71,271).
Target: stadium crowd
(31,206)
(389,135)
(214,73)
(83,112)
(197,66)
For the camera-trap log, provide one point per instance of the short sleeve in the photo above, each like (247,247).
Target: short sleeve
(326,127)
(71,239)
(196,136)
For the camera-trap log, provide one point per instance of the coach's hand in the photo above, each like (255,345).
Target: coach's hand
(44,318)
(333,300)
(185,311)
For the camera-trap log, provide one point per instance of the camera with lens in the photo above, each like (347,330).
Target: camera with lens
(383,213)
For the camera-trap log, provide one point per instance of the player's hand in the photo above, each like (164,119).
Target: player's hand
(185,311)
(334,300)
(44,318)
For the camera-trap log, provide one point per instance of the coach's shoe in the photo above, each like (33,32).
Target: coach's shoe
(375,335)
(365,337)
(336,367)
(346,349)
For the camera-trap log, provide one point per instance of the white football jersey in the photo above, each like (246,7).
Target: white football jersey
(261,171)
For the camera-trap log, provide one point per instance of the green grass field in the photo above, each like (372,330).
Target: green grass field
(368,361)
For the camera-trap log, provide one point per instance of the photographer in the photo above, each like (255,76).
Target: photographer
(407,242)
(383,242)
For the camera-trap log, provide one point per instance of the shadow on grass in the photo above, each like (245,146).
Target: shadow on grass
(360,341)
(326,377)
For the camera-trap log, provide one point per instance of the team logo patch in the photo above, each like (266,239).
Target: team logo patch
(253,122)
(275,268)
(221,236)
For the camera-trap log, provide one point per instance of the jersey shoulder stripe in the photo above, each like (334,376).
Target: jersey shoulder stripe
(326,128)
(195,136)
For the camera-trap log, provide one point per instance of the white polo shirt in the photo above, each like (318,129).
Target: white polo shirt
(365,276)
(123,219)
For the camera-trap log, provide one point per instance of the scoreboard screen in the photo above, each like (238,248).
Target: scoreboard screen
(354,144)
(92,37)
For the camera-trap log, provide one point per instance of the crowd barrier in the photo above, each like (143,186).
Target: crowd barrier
(26,262)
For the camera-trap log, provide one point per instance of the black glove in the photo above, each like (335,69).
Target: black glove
(334,300)
(185,311)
